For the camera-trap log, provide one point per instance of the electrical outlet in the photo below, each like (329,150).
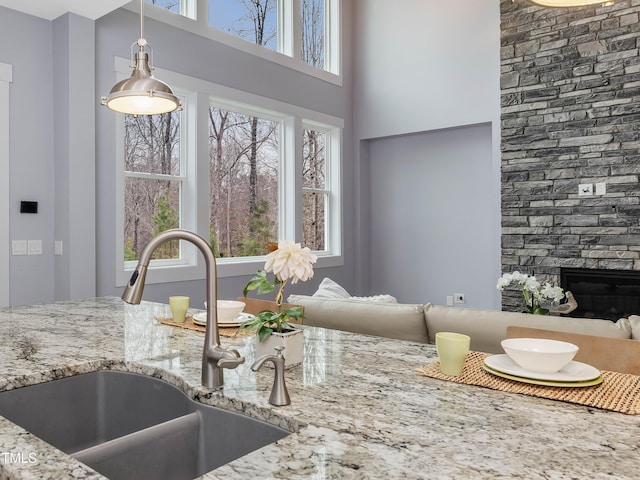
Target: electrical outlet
(458,297)
(585,189)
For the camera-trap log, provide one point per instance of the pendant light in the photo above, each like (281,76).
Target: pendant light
(141,93)
(569,3)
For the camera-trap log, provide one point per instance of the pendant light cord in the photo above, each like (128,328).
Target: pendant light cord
(142,20)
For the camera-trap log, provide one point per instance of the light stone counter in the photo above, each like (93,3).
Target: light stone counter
(358,409)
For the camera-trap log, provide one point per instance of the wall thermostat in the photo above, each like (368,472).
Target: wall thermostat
(28,207)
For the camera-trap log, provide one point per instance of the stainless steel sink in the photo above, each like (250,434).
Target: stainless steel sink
(129,426)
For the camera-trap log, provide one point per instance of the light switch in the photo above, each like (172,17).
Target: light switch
(34,247)
(58,247)
(601,188)
(18,247)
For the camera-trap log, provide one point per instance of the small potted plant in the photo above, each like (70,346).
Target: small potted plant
(289,262)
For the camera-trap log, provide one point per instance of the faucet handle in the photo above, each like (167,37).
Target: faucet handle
(230,362)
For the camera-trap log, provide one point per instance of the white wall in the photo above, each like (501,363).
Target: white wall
(423,66)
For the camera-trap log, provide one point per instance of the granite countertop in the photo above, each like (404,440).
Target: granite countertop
(358,408)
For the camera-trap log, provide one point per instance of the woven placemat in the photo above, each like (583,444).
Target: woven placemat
(189,325)
(618,392)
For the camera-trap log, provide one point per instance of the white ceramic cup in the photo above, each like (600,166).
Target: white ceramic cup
(452,351)
(179,306)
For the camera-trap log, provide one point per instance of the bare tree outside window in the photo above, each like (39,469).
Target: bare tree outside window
(172,5)
(314,186)
(313,41)
(151,194)
(244,175)
(253,20)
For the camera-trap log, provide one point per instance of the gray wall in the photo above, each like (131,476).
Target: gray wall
(51,153)
(429,214)
(422,67)
(26,44)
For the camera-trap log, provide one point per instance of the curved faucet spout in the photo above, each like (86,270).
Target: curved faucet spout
(214,356)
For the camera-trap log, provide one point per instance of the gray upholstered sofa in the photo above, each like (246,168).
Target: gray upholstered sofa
(421,322)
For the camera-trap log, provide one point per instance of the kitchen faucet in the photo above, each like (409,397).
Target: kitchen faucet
(214,356)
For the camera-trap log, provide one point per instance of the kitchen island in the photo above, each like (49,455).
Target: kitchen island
(358,408)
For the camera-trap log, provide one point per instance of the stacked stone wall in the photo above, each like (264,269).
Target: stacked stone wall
(570,113)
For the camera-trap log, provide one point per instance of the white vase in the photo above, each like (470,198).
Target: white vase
(292,341)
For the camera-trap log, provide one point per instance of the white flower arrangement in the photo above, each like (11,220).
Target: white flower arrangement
(289,262)
(536,296)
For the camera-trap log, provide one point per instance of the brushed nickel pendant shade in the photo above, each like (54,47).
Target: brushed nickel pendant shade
(141,93)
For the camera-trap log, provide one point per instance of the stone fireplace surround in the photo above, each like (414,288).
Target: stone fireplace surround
(570,115)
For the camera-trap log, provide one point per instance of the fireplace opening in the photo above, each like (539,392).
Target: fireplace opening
(605,294)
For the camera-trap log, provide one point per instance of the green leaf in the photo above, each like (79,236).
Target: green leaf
(294,312)
(264,333)
(260,283)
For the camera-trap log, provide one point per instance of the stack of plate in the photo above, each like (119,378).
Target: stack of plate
(201,319)
(575,374)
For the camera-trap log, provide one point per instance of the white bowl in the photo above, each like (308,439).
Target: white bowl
(228,310)
(538,354)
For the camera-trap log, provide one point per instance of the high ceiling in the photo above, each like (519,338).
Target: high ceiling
(52,9)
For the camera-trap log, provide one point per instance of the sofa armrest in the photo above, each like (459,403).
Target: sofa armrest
(391,320)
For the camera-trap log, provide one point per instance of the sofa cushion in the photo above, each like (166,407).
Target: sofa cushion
(383,298)
(488,327)
(392,320)
(330,289)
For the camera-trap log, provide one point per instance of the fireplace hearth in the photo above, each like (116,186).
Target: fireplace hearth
(606,294)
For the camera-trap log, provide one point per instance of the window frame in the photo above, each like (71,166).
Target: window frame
(288,51)
(197,96)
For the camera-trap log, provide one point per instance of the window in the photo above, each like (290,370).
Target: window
(255,20)
(152,182)
(181,7)
(244,174)
(312,31)
(301,34)
(315,196)
(259,170)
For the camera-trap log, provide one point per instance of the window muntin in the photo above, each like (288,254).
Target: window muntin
(244,176)
(152,182)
